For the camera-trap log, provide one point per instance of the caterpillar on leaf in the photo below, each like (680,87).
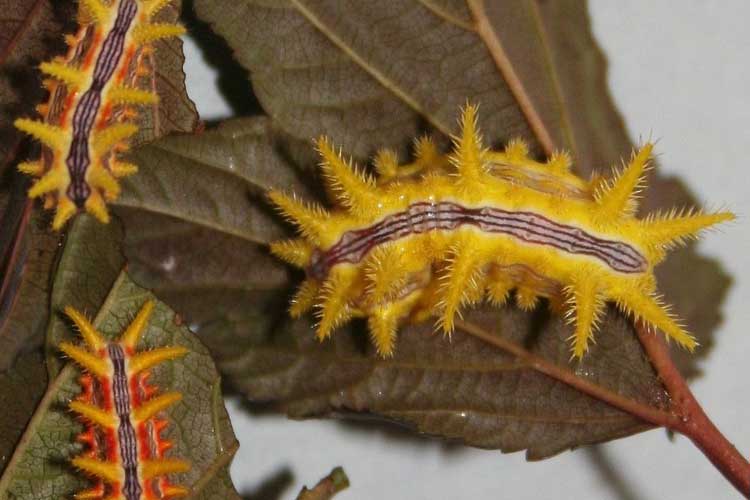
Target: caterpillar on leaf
(444,232)
(119,408)
(90,114)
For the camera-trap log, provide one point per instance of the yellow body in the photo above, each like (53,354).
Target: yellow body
(102,418)
(442,270)
(72,76)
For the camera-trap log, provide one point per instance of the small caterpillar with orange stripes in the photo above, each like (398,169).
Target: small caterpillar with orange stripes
(88,119)
(119,408)
(446,231)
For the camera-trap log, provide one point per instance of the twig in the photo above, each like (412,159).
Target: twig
(693,421)
(327,487)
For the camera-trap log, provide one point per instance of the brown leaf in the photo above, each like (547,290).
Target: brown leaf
(197,226)
(599,139)
(29,34)
(215,181)
(28,28)
(175,112)
(339,78)
(21,388)
(27,250)
(592,127)
(372,75)
(458,388)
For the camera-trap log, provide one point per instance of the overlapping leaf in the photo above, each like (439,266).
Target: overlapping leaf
(28,259)
(199,429)
(26,250)
(318,71)
(214,267)
(197,227)
(88,266)
(369,75)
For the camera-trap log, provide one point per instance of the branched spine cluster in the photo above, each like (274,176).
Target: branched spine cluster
(440,234)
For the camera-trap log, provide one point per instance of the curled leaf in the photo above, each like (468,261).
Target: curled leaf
(175,112)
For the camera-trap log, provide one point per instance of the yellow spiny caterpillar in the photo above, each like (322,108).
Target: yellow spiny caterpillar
(88,118)
(445,231)
(125,450)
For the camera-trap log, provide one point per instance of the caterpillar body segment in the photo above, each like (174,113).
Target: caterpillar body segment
(91,112)
(442,233)
(123,414)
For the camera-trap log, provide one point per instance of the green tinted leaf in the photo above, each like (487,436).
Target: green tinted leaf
(199,426)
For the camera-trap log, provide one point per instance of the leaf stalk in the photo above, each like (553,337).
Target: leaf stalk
(684,414)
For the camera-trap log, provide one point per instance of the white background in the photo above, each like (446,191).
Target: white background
(679,71)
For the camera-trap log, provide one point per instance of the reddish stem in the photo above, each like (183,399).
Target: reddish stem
(693,421)
(685,415)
